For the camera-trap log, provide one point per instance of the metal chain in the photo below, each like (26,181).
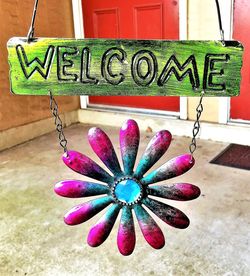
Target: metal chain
(58,122)
(197,126)
(199,109)
(54,106)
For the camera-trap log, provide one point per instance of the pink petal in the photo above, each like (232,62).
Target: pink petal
(129,142)
(100,231)
(104,149)
(150,230)
(87,210)
(168,214)
(154,151)
(179,191)
(126,233)
(174,167)
(84,165)
(77,188)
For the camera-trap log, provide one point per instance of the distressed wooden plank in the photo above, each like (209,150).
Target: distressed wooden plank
(124,67)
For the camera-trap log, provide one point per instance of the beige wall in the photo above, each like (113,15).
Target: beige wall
(202,25)
(54,19)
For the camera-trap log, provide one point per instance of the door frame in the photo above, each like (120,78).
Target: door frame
(230,120)
(84,100)
(227,8)
(227,13)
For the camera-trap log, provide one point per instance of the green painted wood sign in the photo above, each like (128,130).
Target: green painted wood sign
(124,67)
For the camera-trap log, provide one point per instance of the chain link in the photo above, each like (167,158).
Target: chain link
(199,109)
(58,122)
(197,125)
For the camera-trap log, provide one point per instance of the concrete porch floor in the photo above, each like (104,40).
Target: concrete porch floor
(35,241)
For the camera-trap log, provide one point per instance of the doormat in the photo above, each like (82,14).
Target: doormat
(236,156)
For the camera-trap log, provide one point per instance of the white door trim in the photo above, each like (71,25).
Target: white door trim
(79,33)
(227,13)
(231,121)
(78,18)
(183,29)
(227,9)
(227,21)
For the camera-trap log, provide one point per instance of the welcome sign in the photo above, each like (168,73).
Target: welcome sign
(124,67)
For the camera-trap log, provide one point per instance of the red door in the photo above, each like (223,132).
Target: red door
(134,19)
(240,106)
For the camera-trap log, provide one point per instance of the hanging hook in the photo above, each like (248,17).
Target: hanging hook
(220,21)
(31,31)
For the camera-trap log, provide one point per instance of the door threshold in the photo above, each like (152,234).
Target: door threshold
(239,122)
(131,110)
(237,134)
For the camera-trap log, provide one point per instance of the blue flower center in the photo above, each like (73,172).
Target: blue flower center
(127,191)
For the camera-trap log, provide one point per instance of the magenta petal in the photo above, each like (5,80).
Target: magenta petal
(174,167)
(150,230)
(168,214)
(101,230)
(179,191)
(129,142)
(154,151)
(78,188)
(126,232)
(87,210)
(84,165)
(104,149)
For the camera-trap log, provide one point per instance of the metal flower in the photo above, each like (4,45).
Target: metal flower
(127,189)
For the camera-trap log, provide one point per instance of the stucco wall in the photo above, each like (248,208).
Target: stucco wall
(54,19)
(203,24)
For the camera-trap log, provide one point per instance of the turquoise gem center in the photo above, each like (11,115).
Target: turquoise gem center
(127,191)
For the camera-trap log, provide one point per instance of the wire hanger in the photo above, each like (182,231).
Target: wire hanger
(54,105)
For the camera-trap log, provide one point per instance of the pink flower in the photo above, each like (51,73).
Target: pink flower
(127,190)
